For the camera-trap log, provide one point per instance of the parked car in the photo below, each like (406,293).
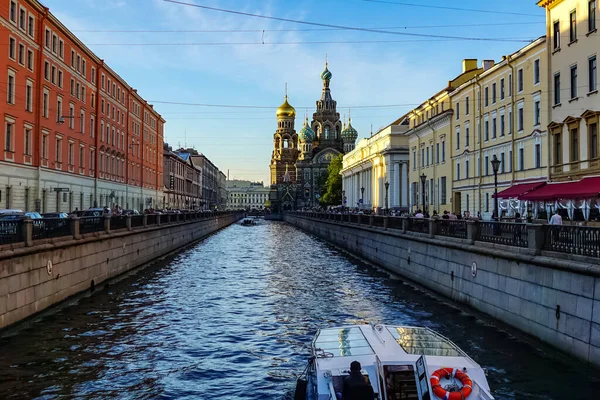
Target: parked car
(55,215)
(60,219)
(10,211)
(96,212)
(130,212)
(19,216)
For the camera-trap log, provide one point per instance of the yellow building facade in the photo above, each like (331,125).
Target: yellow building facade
(572,78)
(430,143)
(500,112)
(375,161)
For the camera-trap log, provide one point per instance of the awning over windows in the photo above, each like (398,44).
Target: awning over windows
(583,189)
(519,190)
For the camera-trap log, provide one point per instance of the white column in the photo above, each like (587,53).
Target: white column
(397,185)
(404,182)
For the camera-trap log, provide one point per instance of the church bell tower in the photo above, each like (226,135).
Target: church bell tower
(285,142)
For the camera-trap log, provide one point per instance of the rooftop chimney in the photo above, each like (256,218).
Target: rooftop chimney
(469,64)
(487,64)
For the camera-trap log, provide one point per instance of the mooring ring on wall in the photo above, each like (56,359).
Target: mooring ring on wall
(474,269)
(49,267)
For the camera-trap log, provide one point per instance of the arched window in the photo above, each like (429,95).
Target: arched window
(285,143)
(326,132)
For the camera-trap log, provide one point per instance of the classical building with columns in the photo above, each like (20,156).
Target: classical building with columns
(377,160)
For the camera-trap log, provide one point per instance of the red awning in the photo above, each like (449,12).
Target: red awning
(585,188)
(519,190)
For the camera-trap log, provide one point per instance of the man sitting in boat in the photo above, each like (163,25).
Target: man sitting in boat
(356,386)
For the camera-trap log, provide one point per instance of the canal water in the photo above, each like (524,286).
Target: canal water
(232,318)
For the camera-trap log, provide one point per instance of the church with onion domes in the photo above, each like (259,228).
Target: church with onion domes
(300,160)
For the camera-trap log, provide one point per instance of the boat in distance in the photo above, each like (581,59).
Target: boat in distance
(398,362)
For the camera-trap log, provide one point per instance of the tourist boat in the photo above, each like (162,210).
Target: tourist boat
(400,362)
(248,222)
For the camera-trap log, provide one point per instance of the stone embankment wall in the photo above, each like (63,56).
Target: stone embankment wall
(37,277)
(553,297)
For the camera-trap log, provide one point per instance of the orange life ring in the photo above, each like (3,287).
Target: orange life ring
(440,392)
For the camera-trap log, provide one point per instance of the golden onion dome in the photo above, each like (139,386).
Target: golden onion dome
(286,110)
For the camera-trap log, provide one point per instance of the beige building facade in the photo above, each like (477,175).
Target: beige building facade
(572,79)
(430,143)
(500,112)
(377,160)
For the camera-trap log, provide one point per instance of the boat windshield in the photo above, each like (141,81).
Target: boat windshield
(423,341)
(343,342)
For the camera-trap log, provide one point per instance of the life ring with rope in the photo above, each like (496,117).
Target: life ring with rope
(442,393)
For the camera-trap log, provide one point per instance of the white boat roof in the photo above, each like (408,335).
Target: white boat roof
(335,348)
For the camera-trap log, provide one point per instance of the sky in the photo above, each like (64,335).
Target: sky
(208,59)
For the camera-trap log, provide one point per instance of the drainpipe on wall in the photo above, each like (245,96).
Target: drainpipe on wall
(433,164)
(512,115)
(480,141)
(38,122)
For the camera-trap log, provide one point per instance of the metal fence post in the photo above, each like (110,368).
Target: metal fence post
(128,222)
(405,222)
(74,226)
(107,224)
(385,222)
(145,220)
(158,219)
(27,231)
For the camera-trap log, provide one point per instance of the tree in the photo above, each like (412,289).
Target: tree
(333,185)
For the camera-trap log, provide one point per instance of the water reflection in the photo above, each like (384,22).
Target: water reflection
(233,318)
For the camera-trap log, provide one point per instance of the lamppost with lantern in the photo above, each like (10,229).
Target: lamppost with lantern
(387,187)
(362,197)
(495,166)
(423,179)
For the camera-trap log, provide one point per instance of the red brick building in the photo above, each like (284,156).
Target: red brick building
(74,133)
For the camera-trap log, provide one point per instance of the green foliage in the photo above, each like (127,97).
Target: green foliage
(332,189)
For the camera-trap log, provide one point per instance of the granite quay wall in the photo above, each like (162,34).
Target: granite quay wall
(551,295)
(37,274)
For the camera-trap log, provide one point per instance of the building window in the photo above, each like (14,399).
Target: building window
(30,60)
(467,106)
(59,113)
(502,163)
(457,110)
(538,155)
(556,89)
(494,93)
(71,116)
(457,138)
(466,136)
(520,119)
(29,96)
(573,81)
(61,49)
(70,155)
(45,146)
(13,11)
(458,171)
(58,150)
(54,44)
(92,126)
(521,159)
(520,80)
(486,165)
(592,15)
(8,137)
(466,169)
(437,153)
(510,83)
(10,98)
(593,74)
(537,111)
(60,79)
(556,35)
(573,27)
(427,159)
(486,96)
(486,131)
(502,126)
(31,26)
(53,75)
(502,89)
(593,133)
(422,158)
(12,48)
(443,151)
(27,149)
(81,158)
(494,128)
(536,71)
(510,161)
(82,121)
(574,144)
(487,202)
(21,54)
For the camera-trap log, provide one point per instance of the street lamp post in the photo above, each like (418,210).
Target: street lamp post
(495,165)
(423,179)
(387,187)
(362,197)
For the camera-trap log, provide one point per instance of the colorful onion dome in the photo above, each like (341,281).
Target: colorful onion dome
(286,110)
(349,134)
(326,75)
(306,134)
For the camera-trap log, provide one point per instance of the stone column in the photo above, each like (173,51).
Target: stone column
(128,222)
(472,227)
(404,183)
(158,219)
(145,220)
(405,222)
(432,226)
(27,231)
(535,237)
(74,225)
(107,224)
(396,186)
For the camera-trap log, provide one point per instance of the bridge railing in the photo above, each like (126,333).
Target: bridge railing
(569,239)
(24,231)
